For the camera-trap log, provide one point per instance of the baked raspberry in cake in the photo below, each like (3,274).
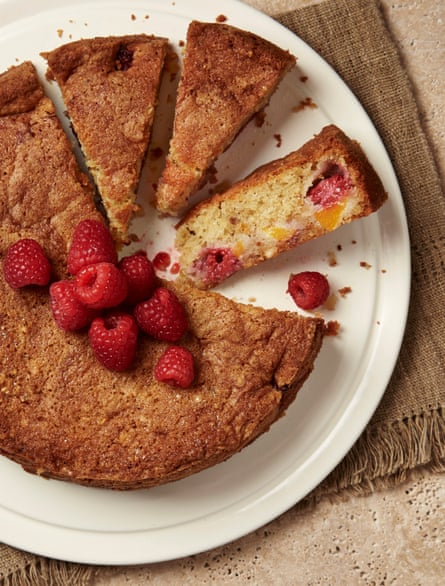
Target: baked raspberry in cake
(110,87)
(65,415)
(228,75)
(324,184)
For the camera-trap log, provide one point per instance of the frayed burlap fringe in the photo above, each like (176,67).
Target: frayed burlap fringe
(385,456)
(49,572)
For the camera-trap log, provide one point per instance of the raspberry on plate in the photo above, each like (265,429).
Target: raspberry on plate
(141,277)
(68,312)
(175,367)
(92,243)
(26,264)
(113,339)
(309,289)
(101,285)
(162,316)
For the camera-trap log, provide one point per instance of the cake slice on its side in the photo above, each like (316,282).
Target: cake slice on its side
(110,87)
(326,183)
(228,75)
(43,193)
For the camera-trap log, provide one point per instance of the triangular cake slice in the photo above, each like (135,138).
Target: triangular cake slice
(65,416)
(228,75)
(324,184)
(43,193)
(110,86)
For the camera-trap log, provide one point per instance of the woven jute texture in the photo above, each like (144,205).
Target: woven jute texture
(408,429)
(407,432)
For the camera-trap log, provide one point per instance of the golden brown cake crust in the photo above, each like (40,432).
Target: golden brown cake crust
(20,90)
(43,193)
(228,75)
(110,87)
(78,421)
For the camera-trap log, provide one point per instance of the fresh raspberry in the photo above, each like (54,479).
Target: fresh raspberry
(175,367)
(68,312)
(162,316)
(141,277)
(308,289)
(92,243)
(101,285)
(113,338)
(26,264)
(162,261)
(216,265)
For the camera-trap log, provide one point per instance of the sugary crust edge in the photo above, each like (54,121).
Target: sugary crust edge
(20,90)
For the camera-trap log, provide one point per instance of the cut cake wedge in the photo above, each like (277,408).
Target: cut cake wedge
(228,75)
(110,87)
(324,184)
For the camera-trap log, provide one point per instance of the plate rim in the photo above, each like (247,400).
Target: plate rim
(29,533)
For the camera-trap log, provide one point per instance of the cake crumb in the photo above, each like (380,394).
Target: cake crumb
(221,18)
(279,140)
(332,328)
(345,291)
(260,118)
(332,259)
(60,32)
(212,175)
(133,16)
(306,103)
(365,264)
(304,78)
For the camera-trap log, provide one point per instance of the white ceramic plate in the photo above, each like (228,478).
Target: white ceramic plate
(221,504)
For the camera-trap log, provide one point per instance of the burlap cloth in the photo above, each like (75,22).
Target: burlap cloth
(407,432)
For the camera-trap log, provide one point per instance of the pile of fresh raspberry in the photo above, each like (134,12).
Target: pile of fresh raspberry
(116,301)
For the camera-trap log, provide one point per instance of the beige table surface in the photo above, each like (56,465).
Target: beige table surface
(393,537)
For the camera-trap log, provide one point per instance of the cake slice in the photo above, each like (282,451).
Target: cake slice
(324,184)
(110,88)
(228,75)
(43,193)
